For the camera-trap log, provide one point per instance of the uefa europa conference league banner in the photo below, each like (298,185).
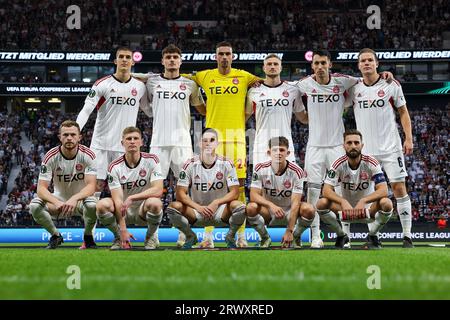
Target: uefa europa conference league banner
(22,235)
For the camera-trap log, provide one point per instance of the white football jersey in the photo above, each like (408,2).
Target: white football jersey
(208,184)
(67,174)
(325,105)
(375,115)
(355,184)
(170,99)
(273,108)
(278,189)
(134,180)
(117,106)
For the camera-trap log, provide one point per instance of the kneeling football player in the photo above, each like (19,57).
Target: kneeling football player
(276,196)
(71,168)
(214,188)
(364,191)
(136,186)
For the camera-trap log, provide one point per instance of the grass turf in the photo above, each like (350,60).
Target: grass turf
(419,273)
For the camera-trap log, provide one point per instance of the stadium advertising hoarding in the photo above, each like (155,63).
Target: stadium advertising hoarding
(208,56)
(38,235)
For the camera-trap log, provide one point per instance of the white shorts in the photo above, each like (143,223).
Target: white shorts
(394,166)
(172,157)
(133,216)
(280,222)
(262,156)
(216,220)
(319,159)
(78,209)
(102,160)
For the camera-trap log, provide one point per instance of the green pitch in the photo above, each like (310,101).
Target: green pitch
(34,273)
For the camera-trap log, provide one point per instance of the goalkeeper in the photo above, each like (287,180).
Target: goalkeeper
(364,192)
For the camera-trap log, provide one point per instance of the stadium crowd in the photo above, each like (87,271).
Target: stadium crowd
(428,182)
(250,25)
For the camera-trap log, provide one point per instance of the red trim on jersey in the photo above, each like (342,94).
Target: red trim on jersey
(263,165)
(339,161)
(370,159)
(188,162)
(397,82)
(296,169)
(101,79)
(100,102)
(254,106)
(115,162)
(150,156)
(339,75)
(86,150)
(50,154)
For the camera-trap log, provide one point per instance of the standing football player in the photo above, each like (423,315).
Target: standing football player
(171,96)
(117,98)
(375,102)
(71,167)
(136,186)
(273,103)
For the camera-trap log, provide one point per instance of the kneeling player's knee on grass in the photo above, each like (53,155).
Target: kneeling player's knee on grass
(323,204)
(176,205)
(252,209)
(153,205)
(386,204)
(307,211)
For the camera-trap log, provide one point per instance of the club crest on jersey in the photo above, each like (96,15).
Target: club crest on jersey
(79,167)
(182,86)
(285,94)
(363,175)
(336,89)
(235,81)
(142,173)
(287,184)
(134,92)
(219,175)
(381,93)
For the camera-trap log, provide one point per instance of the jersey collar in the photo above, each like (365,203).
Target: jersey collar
(266,85)
(121,81)
(371,85)
(62,154)
(137,164)
(214,163)
(283,172)
(162,76)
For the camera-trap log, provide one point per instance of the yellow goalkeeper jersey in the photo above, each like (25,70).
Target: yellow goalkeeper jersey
(225,105)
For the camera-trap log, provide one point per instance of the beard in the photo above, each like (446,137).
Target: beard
(353,154)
